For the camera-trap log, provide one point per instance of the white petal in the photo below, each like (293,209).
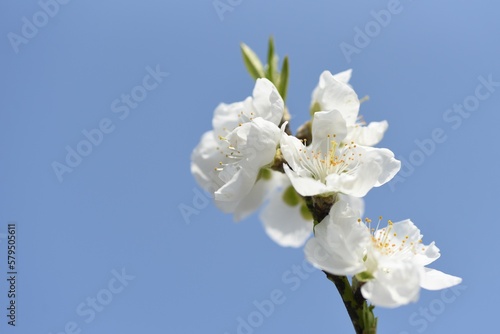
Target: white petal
(437,280)
(369,135)
(339,242)
(407,239)
(327,126)
(322,258)
(204,159)
(284,224)
(333,94)
(226,117)
(256,141)
(384,158)
(291,148)
(306,186)
(427,254)
(393,286)
(267,102)
(343,76)
(357,184)
(357,204)
(237,187)
(260,192)
(402,231)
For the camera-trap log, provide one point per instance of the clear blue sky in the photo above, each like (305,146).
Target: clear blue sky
(107,251)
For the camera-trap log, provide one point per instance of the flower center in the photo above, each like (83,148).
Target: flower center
(389,243)
(230,154)
(338,159)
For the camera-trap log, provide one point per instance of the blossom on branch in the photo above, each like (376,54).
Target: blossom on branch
(333,92)
(230,161)
(329,166)
(390,262)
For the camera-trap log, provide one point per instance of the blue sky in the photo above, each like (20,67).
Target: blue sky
(103,248)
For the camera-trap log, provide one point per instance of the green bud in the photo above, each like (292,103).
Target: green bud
(364,276)
(368,319)
(265,174)
(291,197)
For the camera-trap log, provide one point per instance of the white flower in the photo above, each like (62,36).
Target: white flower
(326,167)
(229,159)
(334,92)
(286,218)
(390,261)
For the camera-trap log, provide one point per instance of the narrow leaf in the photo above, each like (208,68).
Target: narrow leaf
(252,62)
(283,83)
(271,67)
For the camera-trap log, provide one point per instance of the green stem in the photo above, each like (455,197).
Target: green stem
(345,291)
(361,314)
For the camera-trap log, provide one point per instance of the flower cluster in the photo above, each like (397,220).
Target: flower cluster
(314,182)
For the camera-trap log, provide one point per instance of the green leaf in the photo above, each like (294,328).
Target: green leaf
(252,62)
(272,61)
(283,82)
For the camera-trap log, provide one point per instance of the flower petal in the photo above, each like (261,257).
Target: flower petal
(384,158)
(339,242)
(267,102)
(357,204)
(343,76)
(393,286)
(437,280)
(333,94)
(260,192)
(226,117)
(369,135)
(237,186)
(427,254)
(291,148)
(355,184)
(327,126)
(306,186)
(256,141)
(204,159)
(284,224)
